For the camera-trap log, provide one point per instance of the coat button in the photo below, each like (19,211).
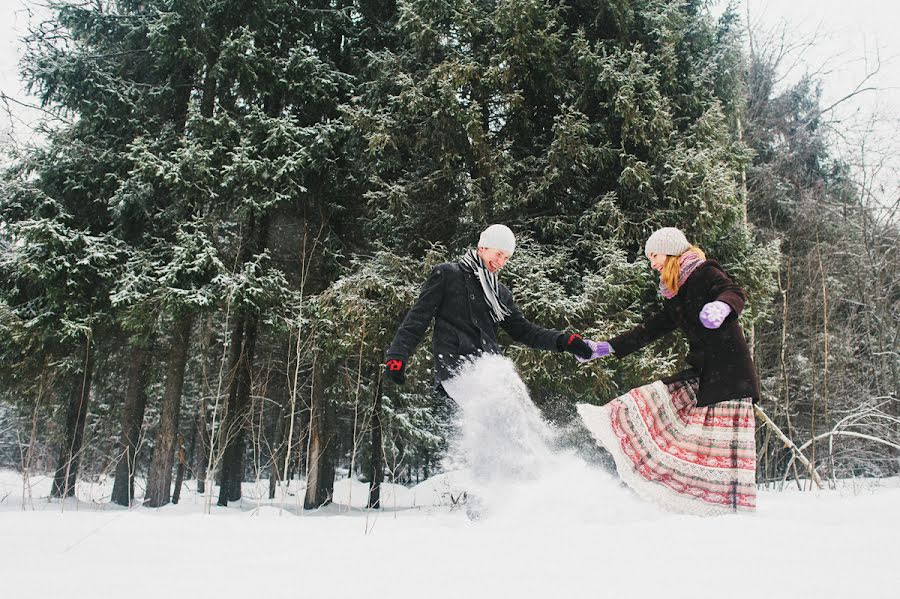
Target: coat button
(472,296)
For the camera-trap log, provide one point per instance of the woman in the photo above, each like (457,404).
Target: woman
(686,442)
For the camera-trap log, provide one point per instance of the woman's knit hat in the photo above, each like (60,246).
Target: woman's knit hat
(669,241)
(498,237)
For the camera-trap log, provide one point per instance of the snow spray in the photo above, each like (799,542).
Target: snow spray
(508,460)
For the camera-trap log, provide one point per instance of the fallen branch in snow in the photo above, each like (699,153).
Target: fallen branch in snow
(797,453)
(850,434)
(830,435)
(869,414)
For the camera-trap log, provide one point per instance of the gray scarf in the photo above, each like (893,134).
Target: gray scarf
(489,284)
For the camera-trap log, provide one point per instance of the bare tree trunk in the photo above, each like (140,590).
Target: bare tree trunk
(231,421)
(296,460)
(277,457)
(329,457)
(236,414)
(281,444)
(179,476)
(132,419)
(788,443)
(377,474)
(245,386)
(243,347)
(159,479)
(281,389)
(320,456)
(314,449)
(202,457)
(200,445)
(191,455)
(67,466)
(45,385)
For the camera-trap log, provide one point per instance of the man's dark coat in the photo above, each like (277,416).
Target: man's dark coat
(463,327)
(720,356)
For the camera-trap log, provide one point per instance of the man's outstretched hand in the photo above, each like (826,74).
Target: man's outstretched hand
(574,344)
(395,371)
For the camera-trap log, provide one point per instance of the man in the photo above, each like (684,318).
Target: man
(468,304)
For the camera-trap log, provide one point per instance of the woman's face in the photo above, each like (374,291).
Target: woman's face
(657,261)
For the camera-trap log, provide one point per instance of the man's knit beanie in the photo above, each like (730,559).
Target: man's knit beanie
(669,241)
(498,237)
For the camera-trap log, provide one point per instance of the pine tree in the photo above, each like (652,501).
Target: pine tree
(55,276)
(583,127)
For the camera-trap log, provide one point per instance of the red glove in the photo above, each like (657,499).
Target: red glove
(573,343)
(395,371)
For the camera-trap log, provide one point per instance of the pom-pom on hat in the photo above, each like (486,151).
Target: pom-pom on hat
(498,237)
(669,241)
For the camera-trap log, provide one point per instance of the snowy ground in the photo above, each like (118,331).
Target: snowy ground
(558,527)
(815,544)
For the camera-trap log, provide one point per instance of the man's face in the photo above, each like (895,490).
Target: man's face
(494,259)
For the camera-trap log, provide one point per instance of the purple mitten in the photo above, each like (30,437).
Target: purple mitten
(714,314)
(600,349)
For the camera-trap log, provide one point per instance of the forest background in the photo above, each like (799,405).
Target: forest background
(231,207)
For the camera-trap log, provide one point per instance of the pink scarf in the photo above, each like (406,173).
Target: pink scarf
(688,263)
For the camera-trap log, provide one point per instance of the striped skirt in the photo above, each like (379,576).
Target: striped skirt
(682,457)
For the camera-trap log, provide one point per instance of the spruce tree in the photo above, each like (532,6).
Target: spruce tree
(584,128)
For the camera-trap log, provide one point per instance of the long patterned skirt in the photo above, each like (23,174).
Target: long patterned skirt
(687,459)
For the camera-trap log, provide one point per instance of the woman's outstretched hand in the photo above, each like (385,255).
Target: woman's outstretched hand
(599,349)
(714,314)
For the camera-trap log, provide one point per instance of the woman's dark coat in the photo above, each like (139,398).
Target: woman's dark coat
(720,356)
(463,327)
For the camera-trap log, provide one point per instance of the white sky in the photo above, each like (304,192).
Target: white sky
(13,25)
(849,33)
(854,39)
(853,35)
